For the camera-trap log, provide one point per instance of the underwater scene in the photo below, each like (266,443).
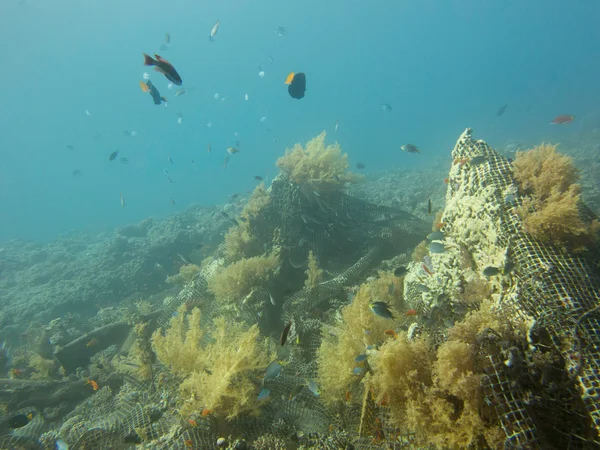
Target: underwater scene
(316,224)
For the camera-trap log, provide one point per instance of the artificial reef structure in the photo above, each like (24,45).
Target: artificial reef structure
(272,341)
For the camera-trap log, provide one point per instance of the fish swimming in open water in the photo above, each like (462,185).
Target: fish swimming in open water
(296,85)
(147,86)
(163,66)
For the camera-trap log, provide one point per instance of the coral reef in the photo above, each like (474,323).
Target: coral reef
(552,203)
(248,237)
(436,392)
(358,331)
(218,365)
(233,283)
(317,167)
(314,275)
(186,274)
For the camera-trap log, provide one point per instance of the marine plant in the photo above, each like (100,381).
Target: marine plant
(43,368)
(359,329)
(235,281)
(317,167)
(186,274)
(436,392)
(551,209)
(247,239)
(314,274)
(218,364)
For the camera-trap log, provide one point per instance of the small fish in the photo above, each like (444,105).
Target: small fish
(264,393)
(358,371)
(381,309)
(91,342)
(261,73)
(87,112)
(208,148)
(77,173)
(477,160)
(165,67)
(20,420)
(179,92)
(426,269)
(213,31)
(429,206)
(411,312)
(436,236)
(360,358)
(391,333)
(501,110)
(113,155)
(436,247)
(167,38)
(280,31)
(314,388)
(491,271)
(93,384)
(337,125)
(296,392)
(564,119)
(246,97)
(284,334)
(70,147)
(296,85)
(225,162)
(172,201)
(206,412)
(385,107)
(271,299)
(170,159)
(258,178)
(348,395)
(124,161)
(272,371)
(391,288)
(400,271)
(422,288)
(188,443)
(192,422)
(232,150)
(360,165)
(263,119)
(410,148)
(122,200)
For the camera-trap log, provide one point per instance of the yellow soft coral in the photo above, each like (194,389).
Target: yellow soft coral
(247,239)
(359,329)
(236,281)
(314,274)
(551,208)
(219,372)
(317,167)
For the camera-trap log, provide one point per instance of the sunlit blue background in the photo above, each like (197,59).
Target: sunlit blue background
(442,65)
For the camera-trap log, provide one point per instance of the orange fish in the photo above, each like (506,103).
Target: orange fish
(348,396)
(206,412)
(391,333)
(188,443)
(193,423)
(426,269)
(91,343)
(565,118)
(446,180)
(411,312)
(93,384)
(144,86)
(439,225)
(290,78)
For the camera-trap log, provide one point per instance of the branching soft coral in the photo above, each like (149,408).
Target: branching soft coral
(359,328)
(219,373)
(317,166)
(187,272)
(551,208)
(236,281)
(244,240)
(314,274)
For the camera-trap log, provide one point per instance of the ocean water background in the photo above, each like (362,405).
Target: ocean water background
(442,65)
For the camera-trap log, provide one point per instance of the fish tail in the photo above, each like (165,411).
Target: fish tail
(164,99)
(148,61)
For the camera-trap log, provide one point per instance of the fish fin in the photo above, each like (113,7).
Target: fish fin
(159,58)
(158,69)
(148,61)
(290,78)
(144,86)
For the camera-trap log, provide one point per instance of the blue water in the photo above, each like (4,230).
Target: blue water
(442,65)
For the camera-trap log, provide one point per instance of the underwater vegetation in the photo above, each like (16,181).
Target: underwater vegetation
(186,273)
(317,166)
(551,209)
(234,282)
(218,365)
(246,239)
